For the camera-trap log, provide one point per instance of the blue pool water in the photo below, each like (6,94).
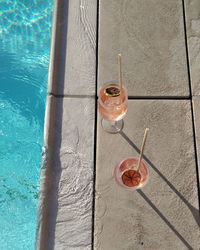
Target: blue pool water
(24,59)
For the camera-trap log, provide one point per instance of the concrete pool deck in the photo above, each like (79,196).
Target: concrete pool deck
(81,207)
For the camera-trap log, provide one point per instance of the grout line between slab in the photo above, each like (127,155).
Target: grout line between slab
(95,125)
(186,48)
(195,149)
(159,98)
(192,110)
(71,96)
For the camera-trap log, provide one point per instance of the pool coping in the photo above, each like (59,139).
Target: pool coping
(45,238)
(42,209)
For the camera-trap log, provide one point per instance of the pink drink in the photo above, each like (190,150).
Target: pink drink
(112,102)
(128,177)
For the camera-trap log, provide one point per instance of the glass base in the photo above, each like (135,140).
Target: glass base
(112,127)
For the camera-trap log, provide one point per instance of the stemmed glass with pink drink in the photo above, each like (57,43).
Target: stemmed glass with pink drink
(112,104)
(127,175)
(132,173)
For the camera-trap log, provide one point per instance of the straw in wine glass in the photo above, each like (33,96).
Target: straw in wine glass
(120,71)
(142,148)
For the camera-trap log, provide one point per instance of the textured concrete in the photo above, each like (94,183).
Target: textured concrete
(150,36)
(65,220)
(73,50)
(192,9)
(164,214)
(196,108)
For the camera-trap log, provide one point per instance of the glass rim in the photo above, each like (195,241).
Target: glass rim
(116,82)
(113,82)
(132,157)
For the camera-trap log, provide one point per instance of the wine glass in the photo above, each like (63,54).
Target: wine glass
(128,176)
(132,173)
(112,104)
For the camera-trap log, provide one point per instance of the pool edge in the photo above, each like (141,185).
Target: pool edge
(41,235)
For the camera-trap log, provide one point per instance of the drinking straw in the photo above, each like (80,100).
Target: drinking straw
(142,148)
(120,71)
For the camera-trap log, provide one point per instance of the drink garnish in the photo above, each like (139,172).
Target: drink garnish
(112,91)
(131,178)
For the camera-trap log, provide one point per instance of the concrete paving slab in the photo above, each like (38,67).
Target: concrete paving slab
(164,214)
(65,220)
(73,50)
(150,36)
(192,10)
(196,107)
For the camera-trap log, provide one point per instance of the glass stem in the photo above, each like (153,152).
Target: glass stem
(113,123)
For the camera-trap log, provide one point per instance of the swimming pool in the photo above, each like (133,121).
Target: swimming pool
(24,59)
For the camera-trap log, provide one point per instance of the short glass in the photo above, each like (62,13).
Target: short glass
(112,105)
(127,177)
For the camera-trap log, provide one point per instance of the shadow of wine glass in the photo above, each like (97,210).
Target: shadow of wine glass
(164,219)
